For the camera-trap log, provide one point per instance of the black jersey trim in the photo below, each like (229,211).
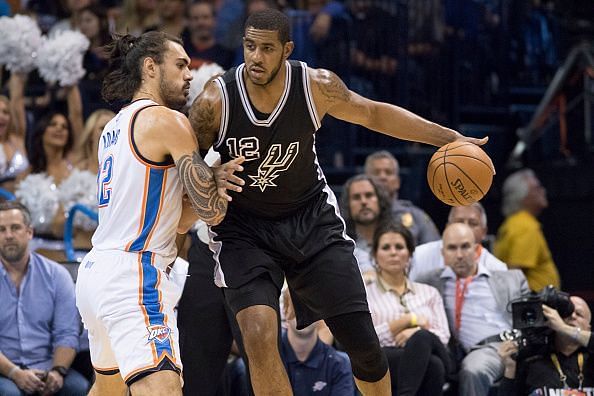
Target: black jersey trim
(311,105)
(246,102)
(168,163)
(224,112)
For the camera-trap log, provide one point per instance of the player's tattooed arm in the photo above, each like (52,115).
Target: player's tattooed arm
(205,115)
(198,181)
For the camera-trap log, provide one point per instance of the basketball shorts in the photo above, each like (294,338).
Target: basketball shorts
(310,249)
(127,304)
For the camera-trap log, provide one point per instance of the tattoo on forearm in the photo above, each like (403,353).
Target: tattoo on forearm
(203,121)
(198,179)
(333,88)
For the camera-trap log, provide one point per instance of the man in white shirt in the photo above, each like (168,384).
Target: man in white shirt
(428,257)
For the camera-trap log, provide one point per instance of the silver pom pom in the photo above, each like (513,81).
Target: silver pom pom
(21,39)
(80,188)
(60,58)
(38,192)
(201,77)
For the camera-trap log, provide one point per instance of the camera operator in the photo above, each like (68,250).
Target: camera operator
(567,370)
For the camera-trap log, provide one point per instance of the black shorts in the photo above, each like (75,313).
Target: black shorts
(310,248)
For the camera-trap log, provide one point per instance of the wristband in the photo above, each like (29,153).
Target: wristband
(413,320)
(12,371)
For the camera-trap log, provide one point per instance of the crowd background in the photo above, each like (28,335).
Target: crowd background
(479,66)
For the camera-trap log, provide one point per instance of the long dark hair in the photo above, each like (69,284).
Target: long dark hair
(101,13)
(126,54)
(36,153)
(385,206)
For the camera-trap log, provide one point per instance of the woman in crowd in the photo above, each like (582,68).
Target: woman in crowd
(51,185)
(85,153)
(13,158)
(409,317)
(93,23)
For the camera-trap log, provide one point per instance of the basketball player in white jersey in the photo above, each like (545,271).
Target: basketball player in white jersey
(148,157)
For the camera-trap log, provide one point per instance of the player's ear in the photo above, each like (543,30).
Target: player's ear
(149,66)
(288,49)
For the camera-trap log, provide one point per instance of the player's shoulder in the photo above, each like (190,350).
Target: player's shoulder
(156,117)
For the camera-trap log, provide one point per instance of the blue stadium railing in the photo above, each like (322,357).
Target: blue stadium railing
(69,228)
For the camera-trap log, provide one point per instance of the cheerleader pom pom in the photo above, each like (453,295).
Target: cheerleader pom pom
(80,188)
(201,77)
(60,58)
(21,39)
(38,193)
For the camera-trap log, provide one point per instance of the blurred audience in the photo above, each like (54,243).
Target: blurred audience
(73,7)
(137,17)
(13,157)
(384,167)
(409,317)
(313,367)
(428,257)
(173,16)
(520,241)
(85,154)
(199,39)
(39,320)
(476,300)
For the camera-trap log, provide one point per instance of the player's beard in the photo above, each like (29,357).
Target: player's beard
(173,99)
(273,74)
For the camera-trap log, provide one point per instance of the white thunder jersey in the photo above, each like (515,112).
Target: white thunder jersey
(139,200)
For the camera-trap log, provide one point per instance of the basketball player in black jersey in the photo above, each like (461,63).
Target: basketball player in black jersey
(285,222)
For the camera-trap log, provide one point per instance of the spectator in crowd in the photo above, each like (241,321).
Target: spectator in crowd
(73,7)
(173,16)
(199,39)
(13,157)
(85,154)
(476,301)
(409,317)
(374,51)
(364,206)
(428,256)
(93,23)
(520,240)
(568,370)
(314,368)
(137,17)
(38,317)
(52,184)
(384,167)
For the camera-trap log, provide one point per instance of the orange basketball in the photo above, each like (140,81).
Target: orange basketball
(460,173)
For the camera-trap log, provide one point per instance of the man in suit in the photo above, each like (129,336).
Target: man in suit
(476,300)
(428,256)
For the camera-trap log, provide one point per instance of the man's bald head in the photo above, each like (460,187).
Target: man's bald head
(581,316)
(459,249)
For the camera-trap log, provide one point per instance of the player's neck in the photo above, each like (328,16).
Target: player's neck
(146,93)
(271,91)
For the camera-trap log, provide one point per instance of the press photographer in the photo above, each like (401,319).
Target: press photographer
(566,369)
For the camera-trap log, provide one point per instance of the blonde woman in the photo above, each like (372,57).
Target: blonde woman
(13,157)
(137,17)
(84,156)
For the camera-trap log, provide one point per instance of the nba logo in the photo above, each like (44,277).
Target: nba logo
(158,332)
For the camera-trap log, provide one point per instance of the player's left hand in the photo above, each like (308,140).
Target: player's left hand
(226,179)
(53,383)
(477,141)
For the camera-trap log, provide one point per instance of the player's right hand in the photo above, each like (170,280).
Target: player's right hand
(28,380)
(226,179)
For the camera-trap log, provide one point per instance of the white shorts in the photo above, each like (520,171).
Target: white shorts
(127,304)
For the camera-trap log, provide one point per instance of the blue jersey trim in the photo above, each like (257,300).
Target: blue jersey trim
(153,202)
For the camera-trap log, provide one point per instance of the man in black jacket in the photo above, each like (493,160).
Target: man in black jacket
(567,370)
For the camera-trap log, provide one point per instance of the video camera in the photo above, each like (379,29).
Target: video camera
(531,332)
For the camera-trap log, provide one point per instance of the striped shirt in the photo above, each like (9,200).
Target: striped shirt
(386,305)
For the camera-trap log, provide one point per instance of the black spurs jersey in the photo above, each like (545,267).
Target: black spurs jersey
(281,170)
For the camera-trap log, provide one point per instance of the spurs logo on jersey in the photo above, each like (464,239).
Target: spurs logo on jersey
(274,163)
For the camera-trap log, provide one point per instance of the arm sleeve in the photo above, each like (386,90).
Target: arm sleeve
(427,229)
(523,250)
(66,322)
